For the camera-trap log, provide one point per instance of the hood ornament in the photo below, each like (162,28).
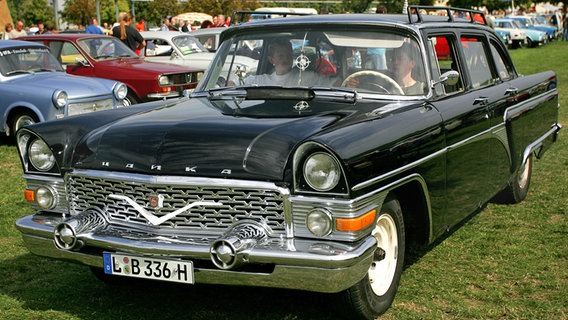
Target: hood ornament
(301,106)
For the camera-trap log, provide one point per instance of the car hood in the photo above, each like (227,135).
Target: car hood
(198,137)
(77,87)
(152,69)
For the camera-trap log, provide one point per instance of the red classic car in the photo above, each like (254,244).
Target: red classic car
(107,57)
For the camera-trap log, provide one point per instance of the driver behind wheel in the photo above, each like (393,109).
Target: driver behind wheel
(403,65)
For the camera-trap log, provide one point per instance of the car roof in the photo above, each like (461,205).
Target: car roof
(164,34)
(65,36)
(9,44)
(208,31)
(413,21)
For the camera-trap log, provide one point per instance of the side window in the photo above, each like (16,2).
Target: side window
(69,54)
(443,57)
(158,47)
(503,70)
(477,61)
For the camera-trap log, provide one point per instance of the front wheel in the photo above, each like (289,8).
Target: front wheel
(20,120)
(130,99)
(530,43)
(374,294)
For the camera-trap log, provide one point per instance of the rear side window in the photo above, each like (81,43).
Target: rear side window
(503,69)
(477,61)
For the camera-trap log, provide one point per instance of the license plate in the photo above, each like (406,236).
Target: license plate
(148,268)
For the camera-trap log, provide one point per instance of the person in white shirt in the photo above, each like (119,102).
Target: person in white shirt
(19,31)
(287,72)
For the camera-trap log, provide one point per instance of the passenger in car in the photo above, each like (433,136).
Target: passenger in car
(287,72)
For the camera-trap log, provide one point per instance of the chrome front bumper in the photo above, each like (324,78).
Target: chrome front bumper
(301,264)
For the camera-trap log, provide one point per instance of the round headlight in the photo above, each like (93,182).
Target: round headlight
(321,171)
(45,198)
(40,155)
(60,99)
(120,91)
(319,222)
(164,80)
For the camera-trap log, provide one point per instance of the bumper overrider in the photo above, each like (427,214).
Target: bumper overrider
(293,263)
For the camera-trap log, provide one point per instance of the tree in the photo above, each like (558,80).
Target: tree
(357,6)
(34,11)
(79,11)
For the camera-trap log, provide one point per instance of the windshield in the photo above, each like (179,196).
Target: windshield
(188,45)
(185,45)
(100,48)
(16,61)
(377,62)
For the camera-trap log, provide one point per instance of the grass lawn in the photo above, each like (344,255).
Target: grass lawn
(507,262)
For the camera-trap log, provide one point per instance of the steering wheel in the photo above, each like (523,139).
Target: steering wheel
(374,80)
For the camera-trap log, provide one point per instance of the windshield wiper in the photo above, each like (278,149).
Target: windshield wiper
(105,56)
(43,69)
(337,94)
(262,93)
(227,94)
(17,72)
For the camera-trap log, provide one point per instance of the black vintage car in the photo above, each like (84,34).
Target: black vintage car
(314,170)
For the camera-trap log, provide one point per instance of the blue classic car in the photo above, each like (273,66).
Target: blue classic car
(35,88)
(355,138)
(528,22)
(534,37)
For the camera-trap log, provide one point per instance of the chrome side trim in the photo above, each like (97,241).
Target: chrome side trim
(489,132)
(529,104)
(496,130)
(538,142)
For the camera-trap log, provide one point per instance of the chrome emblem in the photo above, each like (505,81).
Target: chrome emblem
(301,106)
(154,220)
(302,62)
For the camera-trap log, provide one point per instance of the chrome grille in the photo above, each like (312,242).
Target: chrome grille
(90,106)
(238,203)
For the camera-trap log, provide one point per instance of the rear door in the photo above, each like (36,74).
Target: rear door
(466,109)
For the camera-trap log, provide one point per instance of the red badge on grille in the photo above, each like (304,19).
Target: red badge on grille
(156,201)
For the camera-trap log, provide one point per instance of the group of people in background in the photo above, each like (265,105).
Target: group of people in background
(172,24)
(19,31)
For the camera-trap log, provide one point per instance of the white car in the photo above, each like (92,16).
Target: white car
(517,33)
(183,49)
(209,37)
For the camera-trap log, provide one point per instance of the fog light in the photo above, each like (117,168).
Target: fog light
(65,237)
(45,198)
(319,222)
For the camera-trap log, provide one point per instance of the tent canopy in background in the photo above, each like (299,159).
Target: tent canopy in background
(194,16)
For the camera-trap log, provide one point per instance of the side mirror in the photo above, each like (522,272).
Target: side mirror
(82,62)
(449,78)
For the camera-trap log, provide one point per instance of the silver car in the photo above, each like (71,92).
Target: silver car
(184,49)
(35,88)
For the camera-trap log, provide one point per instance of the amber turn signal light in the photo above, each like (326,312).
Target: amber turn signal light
(355,224)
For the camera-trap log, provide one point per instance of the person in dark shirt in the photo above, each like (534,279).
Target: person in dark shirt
(127,34)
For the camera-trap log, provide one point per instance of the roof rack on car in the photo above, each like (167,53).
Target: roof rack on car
(474,16)
(241,16)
